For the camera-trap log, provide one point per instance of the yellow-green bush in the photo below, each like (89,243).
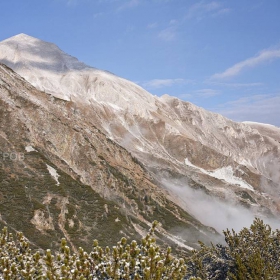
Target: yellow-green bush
(124,261)
(252,254)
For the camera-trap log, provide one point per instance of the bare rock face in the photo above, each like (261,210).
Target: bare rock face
(185,148)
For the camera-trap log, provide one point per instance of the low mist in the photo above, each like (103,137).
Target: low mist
(212,211)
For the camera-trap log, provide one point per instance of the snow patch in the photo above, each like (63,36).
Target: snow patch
(188,163)
(54,174)
(29,149)
(225,173)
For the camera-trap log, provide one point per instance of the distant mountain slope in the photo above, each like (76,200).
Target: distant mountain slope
(266,129)
(184,146)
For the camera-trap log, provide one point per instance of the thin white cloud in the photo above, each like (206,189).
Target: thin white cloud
(173,21)
(74,3)
(263,56)
(130,28)
(159,83)
(162,1)
(69,2)
(168,34)
(207,92)
(185,96)
(128,5)
(197,11)
(235,85)
(221,12)
(97,15)
(204,93)
(202,9)
(152,25)
(116,6)
(256,108)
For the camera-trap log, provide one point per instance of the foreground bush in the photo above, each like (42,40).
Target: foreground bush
(251,254)
(123,261)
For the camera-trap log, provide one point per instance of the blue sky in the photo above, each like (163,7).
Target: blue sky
(223,56)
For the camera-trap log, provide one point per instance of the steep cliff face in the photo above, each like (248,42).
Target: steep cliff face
(183,146)
(61,176)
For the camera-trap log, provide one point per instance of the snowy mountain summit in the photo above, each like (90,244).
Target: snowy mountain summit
(49,69)
(185,147)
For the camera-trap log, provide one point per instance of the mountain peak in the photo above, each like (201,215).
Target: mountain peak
(22,36)
(23,39)
(35,59)
(50,69)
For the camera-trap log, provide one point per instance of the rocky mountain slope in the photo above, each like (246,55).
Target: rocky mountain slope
(60,176)
(184,147)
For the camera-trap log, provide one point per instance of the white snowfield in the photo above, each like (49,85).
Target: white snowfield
(144,124)
(225,173)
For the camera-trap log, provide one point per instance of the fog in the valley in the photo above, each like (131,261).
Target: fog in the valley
(212,211)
